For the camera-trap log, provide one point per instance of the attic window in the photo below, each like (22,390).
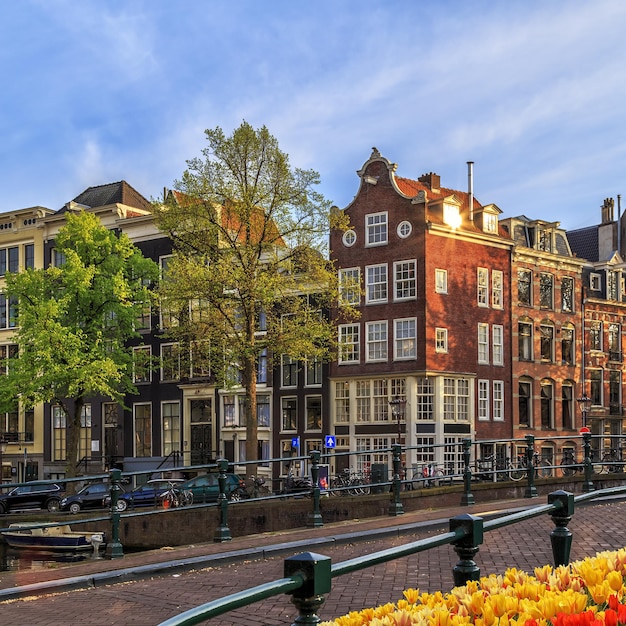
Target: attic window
(349,238)
(490,223)
(451,215)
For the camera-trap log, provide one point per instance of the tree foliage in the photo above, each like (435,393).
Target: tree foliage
(74,322)
(250,270)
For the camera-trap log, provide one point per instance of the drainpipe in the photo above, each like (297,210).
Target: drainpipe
(470,189)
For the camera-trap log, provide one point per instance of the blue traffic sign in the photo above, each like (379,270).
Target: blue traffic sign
(295,442)
(330,441)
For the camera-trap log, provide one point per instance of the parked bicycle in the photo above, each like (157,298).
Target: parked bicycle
(569,466)
(256,487)
(611,463)
(349,483)
(174,497)
(434,475)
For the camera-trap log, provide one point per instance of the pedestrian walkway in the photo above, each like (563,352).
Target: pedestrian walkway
(162,583)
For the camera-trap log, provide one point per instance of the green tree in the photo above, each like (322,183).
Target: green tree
(74,322)
(250,273)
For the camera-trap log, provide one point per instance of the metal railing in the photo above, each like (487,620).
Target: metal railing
(308,576)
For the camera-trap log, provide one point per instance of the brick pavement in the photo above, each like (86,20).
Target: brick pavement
(152,599)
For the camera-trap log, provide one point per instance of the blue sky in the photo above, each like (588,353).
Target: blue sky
(534,92)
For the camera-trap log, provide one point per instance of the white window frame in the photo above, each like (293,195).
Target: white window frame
(376,229)
(497,343)
(141,380)
(482,286)
(498,400)
(136,405)
(377,283)
(483,400)
(483,344)
(349,238)
(402,283)
(595,282)
(376,341)
(405,332)
(441,280)
(353,332)
(490,223)
(497,287)
(171,438)
(350,286)
(173,348)
(441,340)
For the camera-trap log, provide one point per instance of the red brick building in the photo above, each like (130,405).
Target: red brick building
(428,362)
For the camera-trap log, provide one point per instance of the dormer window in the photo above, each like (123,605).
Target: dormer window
(451,215)
(490,223)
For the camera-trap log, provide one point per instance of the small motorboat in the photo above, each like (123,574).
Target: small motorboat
(52,538)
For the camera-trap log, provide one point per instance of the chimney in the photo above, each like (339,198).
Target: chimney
(607,211)
(470,189)
(432,180)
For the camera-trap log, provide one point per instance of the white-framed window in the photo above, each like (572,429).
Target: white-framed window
(483,400)
(363,401)
(483,343)
(289,414)
(404,229)
(313,408)
(497,298)
(342,402)
(567,294)
(595,282)
(141,364)
(376,229)
(441,340)
(349,343)
(313,372)
(451,215)
(263,410)
(490,223)
(376,341)
(59,433)
(456,394)
(498,400)
(376,283)
(546,331)
(350,286)
(546,291)
(482,276)
(497,344)
(405,336)
(142,414)
(170,416)
(441,281)
(425,399)
(405,281)
(170,361)
(289,371)
(349,238)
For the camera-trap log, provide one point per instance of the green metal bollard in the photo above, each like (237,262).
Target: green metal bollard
(316,571)
(395,506)
(315,518)
(531,490)
(561,536)
(466,569)
(467,498)
(114,549)
(587,465)
(222,532)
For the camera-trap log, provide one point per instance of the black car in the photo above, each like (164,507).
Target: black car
(92,496)
(33,496)
(145,495)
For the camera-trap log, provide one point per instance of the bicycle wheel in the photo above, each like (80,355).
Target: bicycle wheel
(610,464)
(544,469)
(516,472)
(437,477)
(566,469)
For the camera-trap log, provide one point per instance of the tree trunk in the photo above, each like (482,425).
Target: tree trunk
(73,439)
(252,426)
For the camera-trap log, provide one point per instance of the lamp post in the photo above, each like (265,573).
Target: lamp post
(585,406)
(3,449)
(397,411)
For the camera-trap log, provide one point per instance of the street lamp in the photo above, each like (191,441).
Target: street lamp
(585,406)
(397,411)
(3,449)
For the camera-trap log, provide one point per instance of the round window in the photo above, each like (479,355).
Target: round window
(349,238)
(404,229)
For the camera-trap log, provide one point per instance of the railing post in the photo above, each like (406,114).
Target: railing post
(561,536)
(466,547)
(114,549)
(315,518)
(467,498)
(222,532)
(587,465)
(395,506)
(531,490)
(316,571)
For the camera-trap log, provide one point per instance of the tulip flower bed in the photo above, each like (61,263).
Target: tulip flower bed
(590,592)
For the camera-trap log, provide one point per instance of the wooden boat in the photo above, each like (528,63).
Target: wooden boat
(52,538)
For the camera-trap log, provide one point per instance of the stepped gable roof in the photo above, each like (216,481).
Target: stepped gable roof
(114,193)
(411,188)
(584,243)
